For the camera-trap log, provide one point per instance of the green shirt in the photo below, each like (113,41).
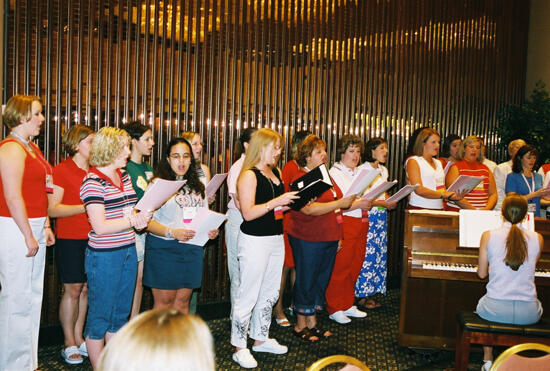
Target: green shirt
(140,174)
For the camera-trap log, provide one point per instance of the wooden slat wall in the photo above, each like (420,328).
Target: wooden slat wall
(370,67)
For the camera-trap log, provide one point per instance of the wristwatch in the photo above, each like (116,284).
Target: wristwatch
(168,233)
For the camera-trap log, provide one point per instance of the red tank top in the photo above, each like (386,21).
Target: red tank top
(33,184)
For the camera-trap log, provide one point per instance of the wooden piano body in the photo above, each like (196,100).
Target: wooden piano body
(430,298)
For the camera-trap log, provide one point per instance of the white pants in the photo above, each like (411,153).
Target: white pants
(261,265)
(22,281)
(232,228)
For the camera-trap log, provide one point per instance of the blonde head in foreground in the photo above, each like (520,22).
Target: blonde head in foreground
(160,340)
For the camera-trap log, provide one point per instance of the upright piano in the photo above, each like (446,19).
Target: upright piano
(439,278)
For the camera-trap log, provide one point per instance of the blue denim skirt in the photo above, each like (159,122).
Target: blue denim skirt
(171,265)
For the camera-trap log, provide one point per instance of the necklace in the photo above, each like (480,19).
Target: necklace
(23,140)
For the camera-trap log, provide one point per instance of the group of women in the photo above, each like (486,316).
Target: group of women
(337,244)
(100,235)
(329,243)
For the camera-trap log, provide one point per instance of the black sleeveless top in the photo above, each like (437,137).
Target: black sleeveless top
(266,190)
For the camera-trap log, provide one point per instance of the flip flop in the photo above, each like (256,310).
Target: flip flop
(71,351)
(321,334)
(283,322)
(306,335)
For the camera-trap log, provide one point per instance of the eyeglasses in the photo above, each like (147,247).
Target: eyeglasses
(177,156)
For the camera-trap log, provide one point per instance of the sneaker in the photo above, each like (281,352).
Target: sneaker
(83,350)
(354,312)
(486,365)
(340,317)
(270,346)
(245,359)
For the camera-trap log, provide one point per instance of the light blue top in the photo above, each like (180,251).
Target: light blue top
(516,182)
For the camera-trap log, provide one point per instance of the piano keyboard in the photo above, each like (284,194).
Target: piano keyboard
(470,268)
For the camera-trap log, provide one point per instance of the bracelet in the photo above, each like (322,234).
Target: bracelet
(168,233)
(47,227)
(267,206)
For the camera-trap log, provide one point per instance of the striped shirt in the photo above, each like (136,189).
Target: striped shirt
(97,188)
(479,196)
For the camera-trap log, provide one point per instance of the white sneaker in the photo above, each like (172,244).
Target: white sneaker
(270,346)
(245,359)
(354,312)
(486,365)
(340,317)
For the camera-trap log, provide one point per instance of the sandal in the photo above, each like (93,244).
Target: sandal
(321,334)
(306,335)
(283,322)
(368,304)
(83,349)
(71,351)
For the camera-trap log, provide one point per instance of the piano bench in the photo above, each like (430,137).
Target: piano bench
(472,329)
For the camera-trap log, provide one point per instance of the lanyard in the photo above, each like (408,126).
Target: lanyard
(532,186)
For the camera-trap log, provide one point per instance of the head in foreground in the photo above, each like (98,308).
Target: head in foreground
(160,340)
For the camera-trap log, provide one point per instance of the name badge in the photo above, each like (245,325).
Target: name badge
(189,213)
(148,175)
(278,211)
(49,183)
(531,208)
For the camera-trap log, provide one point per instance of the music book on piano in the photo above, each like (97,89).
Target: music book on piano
(402,193)
(465,183)
(373,193)
(362,181)
(310,185)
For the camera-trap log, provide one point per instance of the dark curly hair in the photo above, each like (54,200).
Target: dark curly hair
(446,147)
(164,170)
(516,162)
(346,141)
(371,145)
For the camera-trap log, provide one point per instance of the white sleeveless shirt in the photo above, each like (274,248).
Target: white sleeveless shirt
(505,283)
(433,179)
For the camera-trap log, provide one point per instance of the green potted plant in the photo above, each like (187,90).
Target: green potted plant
(529,121)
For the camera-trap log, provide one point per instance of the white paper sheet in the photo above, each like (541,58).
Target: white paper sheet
(214,184)
(402,193)
(361,181)
(376,191)
(158,193)
(472,224)
(205,221)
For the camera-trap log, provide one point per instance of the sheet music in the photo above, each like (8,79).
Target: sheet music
(375,192)
(402,193)
(205,221)
(361,181)
(214,184)
(472,224)
(158,193)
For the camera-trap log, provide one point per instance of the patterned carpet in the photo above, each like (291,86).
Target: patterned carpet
(372,339)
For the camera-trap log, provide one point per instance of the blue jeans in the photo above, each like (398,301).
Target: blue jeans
(516,312)
(111,281)
(314,262)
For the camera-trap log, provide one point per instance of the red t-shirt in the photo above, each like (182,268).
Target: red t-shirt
(69,176)
(314,228)
(33,184)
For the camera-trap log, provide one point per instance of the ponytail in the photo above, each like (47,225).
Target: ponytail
(514,208)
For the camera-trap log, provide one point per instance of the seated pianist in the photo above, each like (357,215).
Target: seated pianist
(509,255)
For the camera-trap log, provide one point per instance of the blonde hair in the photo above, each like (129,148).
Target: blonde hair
(73,136)
(514,208)
(108,143)
(421,139)
(465,143)
(189,135)
(18,107)
(160,340)
(259,140)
